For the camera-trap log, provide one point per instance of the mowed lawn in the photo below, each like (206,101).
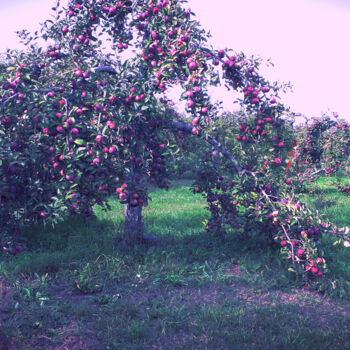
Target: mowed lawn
(75,286)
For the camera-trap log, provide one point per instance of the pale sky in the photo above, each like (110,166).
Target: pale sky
(307,40)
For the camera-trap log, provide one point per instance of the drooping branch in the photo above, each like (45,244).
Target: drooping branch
(225,153)
(187,128)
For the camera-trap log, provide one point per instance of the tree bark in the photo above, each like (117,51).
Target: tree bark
(133,225)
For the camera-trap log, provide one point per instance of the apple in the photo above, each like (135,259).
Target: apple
(190,103)
(122,195)
(192,65)
(13,251)
(195,121)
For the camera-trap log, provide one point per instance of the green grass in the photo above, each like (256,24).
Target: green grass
(328,200)
(76,287)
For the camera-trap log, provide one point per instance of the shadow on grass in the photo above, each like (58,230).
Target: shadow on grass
(50,249)
(75,241)
(183,249)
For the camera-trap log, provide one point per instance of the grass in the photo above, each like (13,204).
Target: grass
(75,287)
(329,200)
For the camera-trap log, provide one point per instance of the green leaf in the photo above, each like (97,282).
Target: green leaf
(79,141)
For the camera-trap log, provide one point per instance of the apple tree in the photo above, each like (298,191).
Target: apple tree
(324,148)
(80,122)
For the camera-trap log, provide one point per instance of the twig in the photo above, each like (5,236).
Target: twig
(100,114)
(317,171)
(6,102)
(290,241)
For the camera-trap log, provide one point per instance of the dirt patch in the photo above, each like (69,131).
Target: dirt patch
(174,341)
(313,306)
(77,342)
(234,271)
(213,296)
(63,293)
(301,298)
(311,303)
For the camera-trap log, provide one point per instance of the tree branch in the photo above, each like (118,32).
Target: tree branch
(224,152)
(7,101)
(105,69)
(187,128)
(317,171)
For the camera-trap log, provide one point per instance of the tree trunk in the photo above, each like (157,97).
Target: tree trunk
(133,225)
